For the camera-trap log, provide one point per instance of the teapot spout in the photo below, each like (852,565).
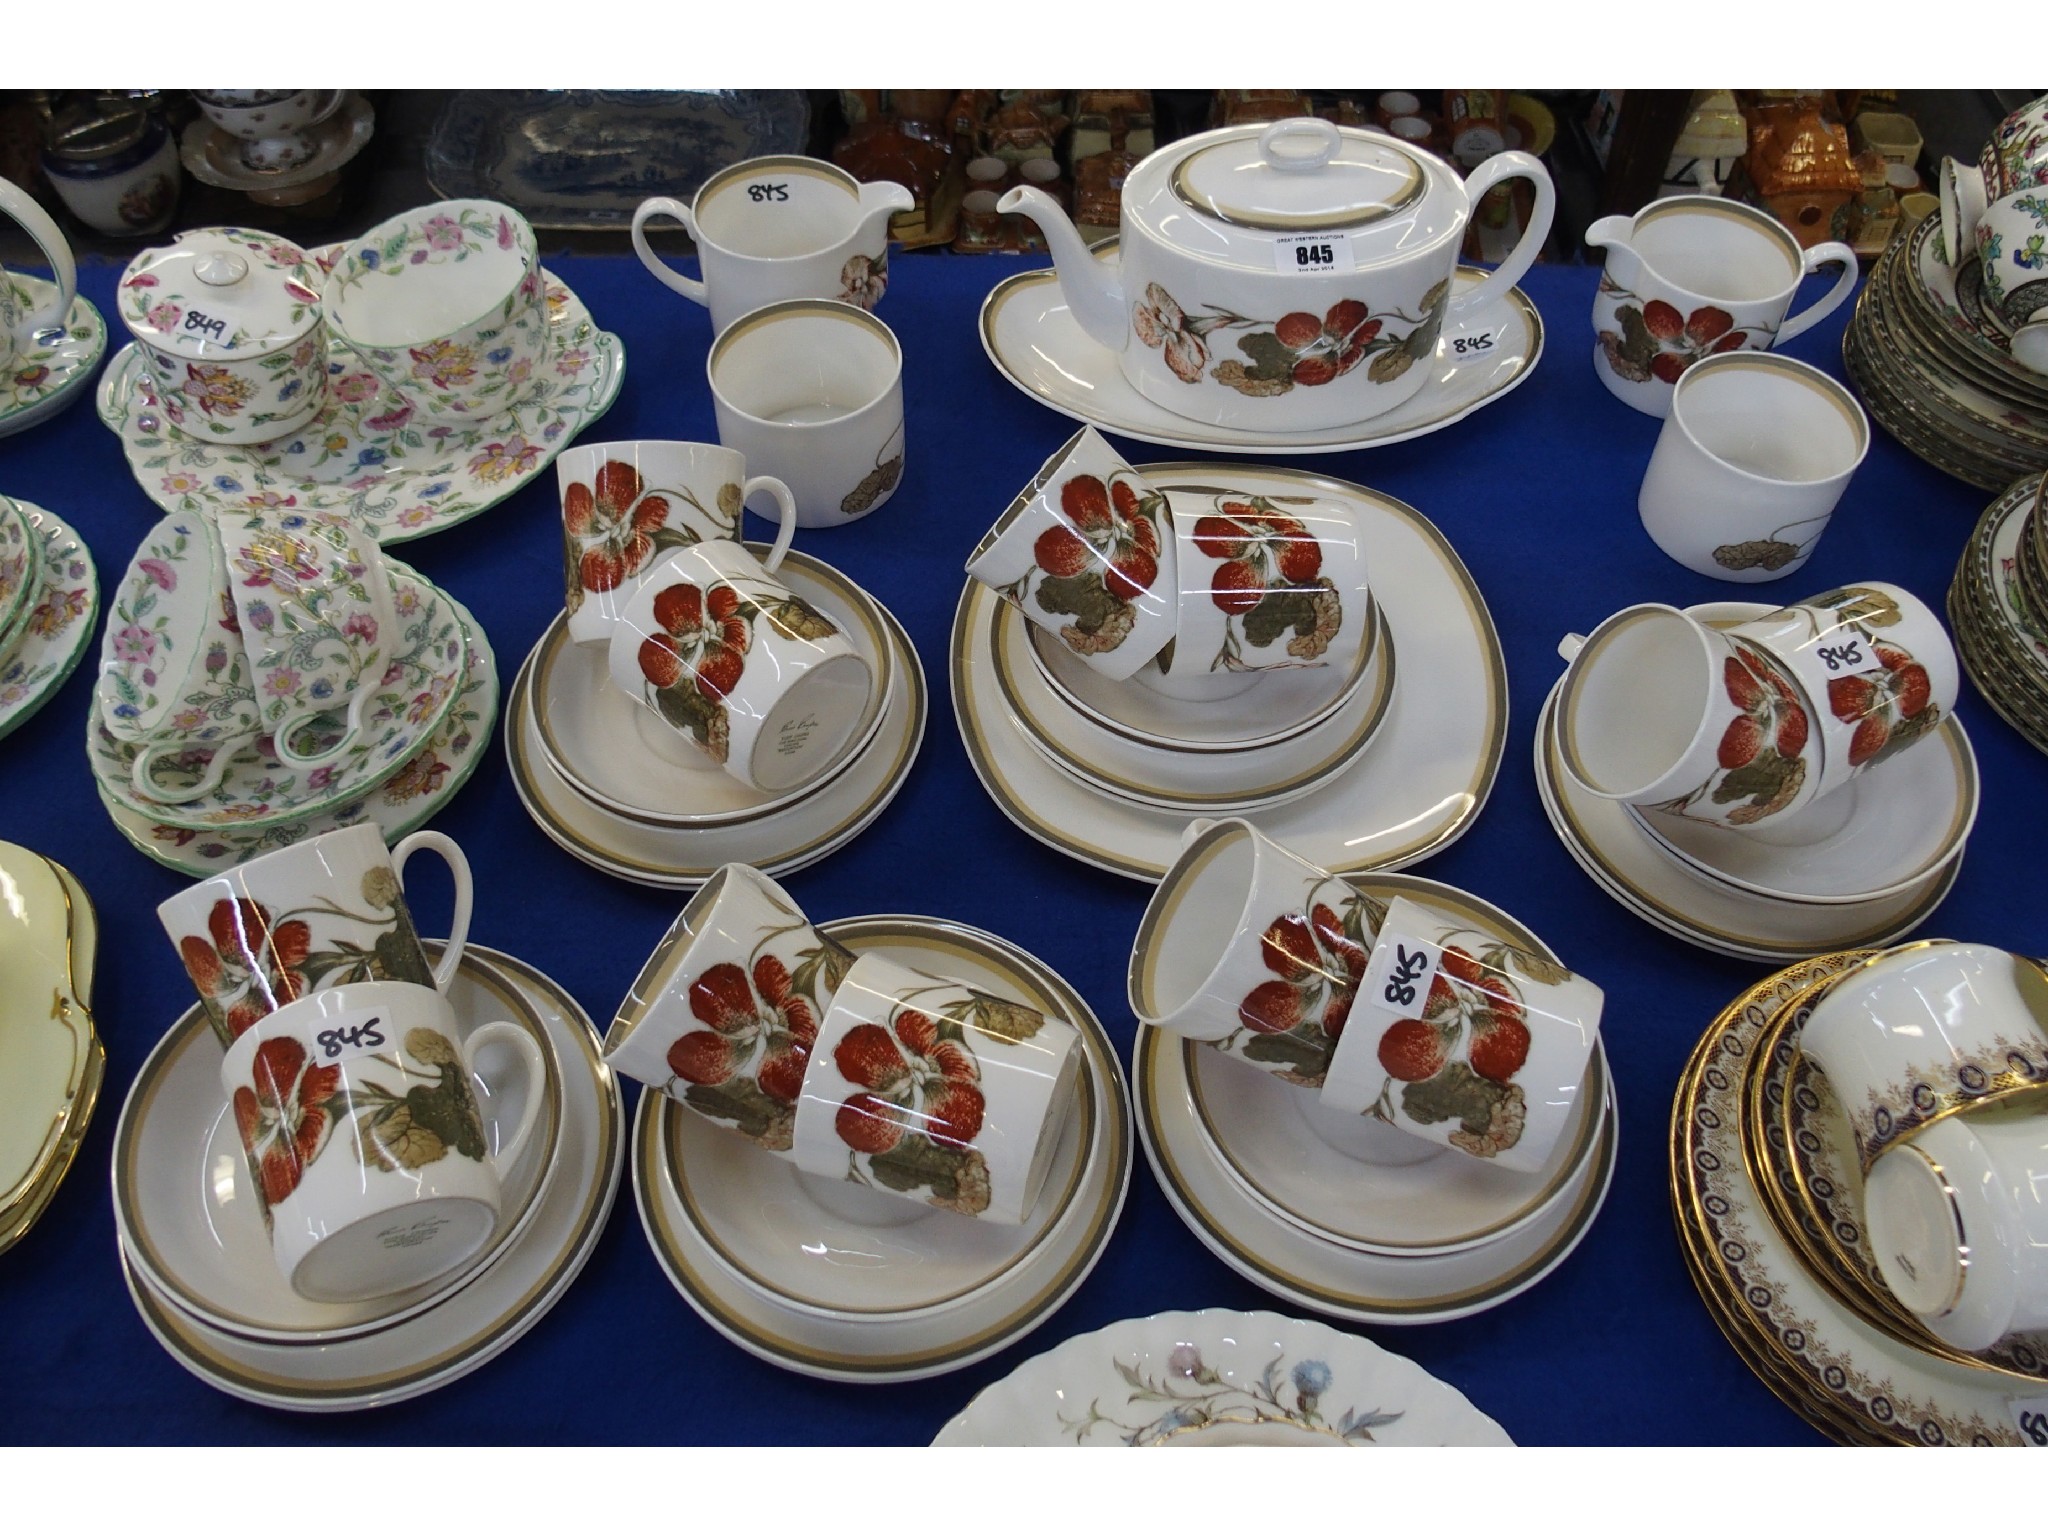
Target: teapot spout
(1091,290)
(878,200)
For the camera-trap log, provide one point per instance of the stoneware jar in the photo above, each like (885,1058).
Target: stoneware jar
(229,326)
(1284,277)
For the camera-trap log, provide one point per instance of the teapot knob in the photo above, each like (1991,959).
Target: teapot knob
(1284,150)
(220,269)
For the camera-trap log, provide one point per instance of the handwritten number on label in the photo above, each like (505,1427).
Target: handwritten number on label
(1483,342)
(1847,654)
(1408,964)
(768,191)
(357,1037)
(195,320)
(2034,1425)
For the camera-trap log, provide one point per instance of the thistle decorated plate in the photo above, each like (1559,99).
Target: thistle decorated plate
(1220,1378)
(364,455)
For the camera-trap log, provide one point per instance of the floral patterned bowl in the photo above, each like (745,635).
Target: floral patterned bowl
(443,303)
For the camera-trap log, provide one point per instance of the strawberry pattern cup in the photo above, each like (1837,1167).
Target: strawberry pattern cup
(1087,552)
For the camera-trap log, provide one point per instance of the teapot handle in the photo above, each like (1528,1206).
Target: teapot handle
(1827,303)
(1503,167)
(688,287)
(43,230)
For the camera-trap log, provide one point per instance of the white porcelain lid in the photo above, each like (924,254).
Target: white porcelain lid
(221,293)
(1233,194)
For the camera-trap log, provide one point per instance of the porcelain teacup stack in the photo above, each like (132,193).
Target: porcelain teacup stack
(1133,613)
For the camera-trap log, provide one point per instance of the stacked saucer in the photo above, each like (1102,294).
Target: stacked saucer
(1334,759)
(49,607)
(1998,608)
(1767,1193)
(1242,1157)
(611,783)
(778,1264)
(198,1260)
(1934,364)
(420,738)
(1867,877)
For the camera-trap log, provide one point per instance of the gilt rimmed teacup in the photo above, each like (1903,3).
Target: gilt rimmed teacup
(625,504)
(321,913)
(364,1142)
(730,660)
(444,304)
(935,1092)
(1086,551)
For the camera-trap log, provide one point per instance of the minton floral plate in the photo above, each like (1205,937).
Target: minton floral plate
(58,628)
(1033,339)
(400,804)
(1953,303)
(46,376)
(682,858)
(21,571)
(363,455)
(1848,1378)
(482,1319)
(1220,1378)
(259,790)
(51,1059)
(191,1226)
(1432,761)
(1001,1308)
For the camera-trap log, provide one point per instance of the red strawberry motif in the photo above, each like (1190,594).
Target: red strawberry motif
(919,1078)
(1085,500)
(1792,729)
(1060,552)
(1124,497)
(1219,538)
(1235,587)
(1298,330)
(701,632)
(1346,321)
(1667,366)
(1663,320)
(866,1055)
(1315,370)
(1270,1008)
(1412,1050)
(1499,1051)
(1744,689)
(868,1123)
(1872,732)
(614,523)
(1112,530)
(953,1114)
(701,1057)
(1707,324)
(1329,931)
(1301,559)
(1740,743)
(1288,948)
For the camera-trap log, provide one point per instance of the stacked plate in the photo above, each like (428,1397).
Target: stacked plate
(1339,763)
(780,1274)
(1768,1199)
(1998,608)
(49,608)
(409,763)
(615,786)
(1934,366)
(1420,1243)
(1868,872)
(198,1259)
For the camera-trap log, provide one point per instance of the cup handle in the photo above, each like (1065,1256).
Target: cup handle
(1570,646)
(458,866)
(532,1064)
(43,230)
(689,287)
(1503,167)
(332,105)
(1829,302)
(785,504)
(281,738)
(147,787)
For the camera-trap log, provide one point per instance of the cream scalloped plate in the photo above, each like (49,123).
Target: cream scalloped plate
(46,376)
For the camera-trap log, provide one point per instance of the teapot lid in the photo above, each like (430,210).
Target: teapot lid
(222,293)
(1298,176)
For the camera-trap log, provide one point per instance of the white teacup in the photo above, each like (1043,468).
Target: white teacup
(1755,452)
(733,662)
(272,125)
(2011,234)
(811,391)
(363,1138)
(19,323)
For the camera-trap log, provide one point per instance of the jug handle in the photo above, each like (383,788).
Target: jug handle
(1829,302)
(689,287)
(1503,167)
(28,213)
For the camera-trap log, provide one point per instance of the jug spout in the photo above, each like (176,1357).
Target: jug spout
(1091,290)
(1612,234)
(879,199)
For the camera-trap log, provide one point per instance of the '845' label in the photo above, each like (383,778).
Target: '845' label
(1314,253)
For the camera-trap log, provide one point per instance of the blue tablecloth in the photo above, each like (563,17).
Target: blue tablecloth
(1537,492)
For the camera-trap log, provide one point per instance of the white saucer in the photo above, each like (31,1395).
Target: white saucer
(1220,1378)
(1418,789)
(483,1318)
(49,374)
(681,858)
(58,629)
(1033,339)
(1627,863)
(1004,1305)
(615,753)
(1168,779)
(189,1221)
(1311,1272)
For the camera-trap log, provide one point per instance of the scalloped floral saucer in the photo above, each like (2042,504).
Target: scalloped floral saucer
(400,804)
(43,379)
(59,627)
(363,455)
(1220,1378)
(259,790)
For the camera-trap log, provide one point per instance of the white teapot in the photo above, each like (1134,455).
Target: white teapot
(1284,277)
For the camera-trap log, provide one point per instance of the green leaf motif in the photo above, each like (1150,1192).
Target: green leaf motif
(957,1178)
(1271,358)
(1456,1093)
(1759,779)
(795,619)
(1859,605)
(1278,612)
(1084,596)
(740,1103)
(1637,344)
(1003,1019)
(398,955)
(1304,1052)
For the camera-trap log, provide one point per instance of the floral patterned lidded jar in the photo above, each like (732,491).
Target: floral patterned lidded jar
(230,327)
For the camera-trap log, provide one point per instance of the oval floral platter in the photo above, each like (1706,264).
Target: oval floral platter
(1220,1378)
(363,455)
